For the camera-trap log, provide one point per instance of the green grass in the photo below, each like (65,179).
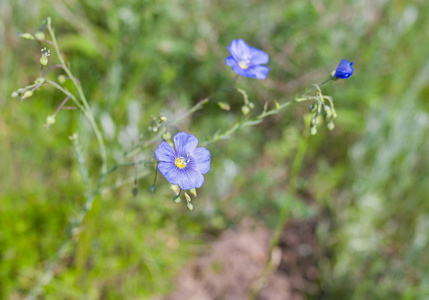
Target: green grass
(369,174)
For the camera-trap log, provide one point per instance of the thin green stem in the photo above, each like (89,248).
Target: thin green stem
(233,81)
(156,173)
(65,91)
(61,105)
(283,216)
(88,112)
(252,122)
(196,107)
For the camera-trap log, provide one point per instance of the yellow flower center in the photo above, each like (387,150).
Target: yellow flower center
(180,162)
(243,65)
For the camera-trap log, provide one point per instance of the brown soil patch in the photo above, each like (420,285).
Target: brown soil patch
(237,259)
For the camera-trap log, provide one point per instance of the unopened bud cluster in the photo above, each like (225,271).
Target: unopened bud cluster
(177,198)
(157,123)
(322,107)
(27,92)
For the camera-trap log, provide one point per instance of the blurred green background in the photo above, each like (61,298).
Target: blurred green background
(366,182)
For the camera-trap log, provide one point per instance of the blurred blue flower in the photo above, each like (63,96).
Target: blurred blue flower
(246,61)
(186,165)
(344,69)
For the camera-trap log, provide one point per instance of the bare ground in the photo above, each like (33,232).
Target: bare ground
(235,262)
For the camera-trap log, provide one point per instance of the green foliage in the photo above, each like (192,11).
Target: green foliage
(136,59)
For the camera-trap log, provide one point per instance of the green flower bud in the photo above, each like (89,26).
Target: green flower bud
(313,130)
(251,105)
(27,36)
(176,199)
(134,191)
(245,110)
(74,137)
(328,111)
(27,94)
(163,118)
(166,136)
(14,94)
(187,197)
(153,188)
(193,192)
(43,60)
(50,120)
(175,188)
(62,79)
(190,206)
(39,35)
(224,106)
(313,107)
(331,125)
(277,105)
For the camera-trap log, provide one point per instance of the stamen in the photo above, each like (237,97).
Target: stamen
(180,162)
(243,65)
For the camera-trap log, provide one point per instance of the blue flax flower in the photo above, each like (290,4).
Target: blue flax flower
(246,61)
(186,165)
(344,69)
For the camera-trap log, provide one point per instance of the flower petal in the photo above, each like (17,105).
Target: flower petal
(239,50)
(200,160)
(230,61)
(190,179)
(169,170)
(260,72)
(185,143)
(258,57)
(165,152)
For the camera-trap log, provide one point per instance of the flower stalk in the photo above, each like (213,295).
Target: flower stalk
(85,106)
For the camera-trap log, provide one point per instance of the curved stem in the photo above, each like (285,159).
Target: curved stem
(78,104)
(51,68)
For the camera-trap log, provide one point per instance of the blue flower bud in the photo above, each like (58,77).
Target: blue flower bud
(344,70)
